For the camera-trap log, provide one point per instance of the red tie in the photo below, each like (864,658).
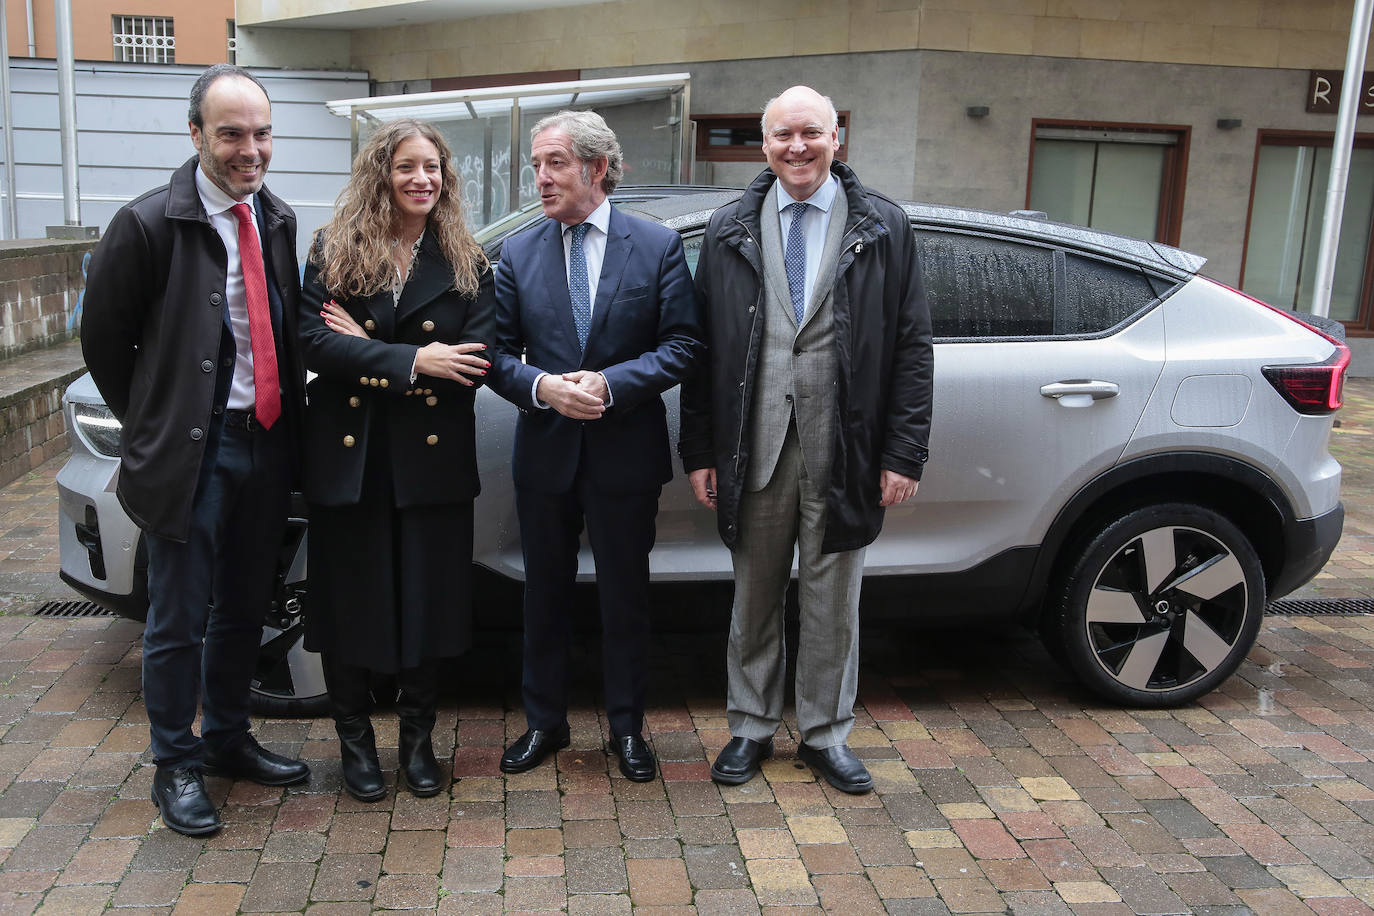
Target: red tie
(266,387)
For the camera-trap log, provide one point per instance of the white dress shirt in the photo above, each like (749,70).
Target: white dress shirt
(217,204)
(594,249)
(815,223)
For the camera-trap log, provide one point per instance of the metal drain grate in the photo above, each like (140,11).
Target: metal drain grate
(1318,607)
(72,609)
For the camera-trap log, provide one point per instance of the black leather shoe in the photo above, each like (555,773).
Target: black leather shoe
(839,766)
(636,760)
(532,747)
(180,796)
(739,760)
(249,760)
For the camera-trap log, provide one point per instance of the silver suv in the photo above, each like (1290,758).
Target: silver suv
(1126,455)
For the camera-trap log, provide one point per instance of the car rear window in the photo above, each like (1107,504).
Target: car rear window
(1099,295)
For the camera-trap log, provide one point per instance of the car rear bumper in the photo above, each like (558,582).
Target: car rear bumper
(1308,543)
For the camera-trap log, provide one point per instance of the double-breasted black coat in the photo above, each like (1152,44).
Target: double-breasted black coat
(391,470)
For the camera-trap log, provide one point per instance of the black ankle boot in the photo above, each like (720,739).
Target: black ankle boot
(350,697)
(415,705)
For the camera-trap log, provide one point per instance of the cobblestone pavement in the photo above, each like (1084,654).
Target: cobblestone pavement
(1001,787)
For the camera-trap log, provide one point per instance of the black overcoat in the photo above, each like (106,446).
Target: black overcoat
(432,449)
(391,471)
(883,355)
(155,338)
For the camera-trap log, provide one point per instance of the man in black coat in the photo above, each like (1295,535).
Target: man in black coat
(189,331)
(812,416)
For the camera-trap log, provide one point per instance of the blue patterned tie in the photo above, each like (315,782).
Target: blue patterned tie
(578,289)
(795,261)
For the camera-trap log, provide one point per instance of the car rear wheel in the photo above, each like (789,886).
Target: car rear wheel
(1160,606)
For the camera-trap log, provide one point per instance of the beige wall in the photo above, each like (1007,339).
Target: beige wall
(199,26)
(1297,34)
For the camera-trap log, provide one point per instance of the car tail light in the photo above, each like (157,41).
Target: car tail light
(1310,388)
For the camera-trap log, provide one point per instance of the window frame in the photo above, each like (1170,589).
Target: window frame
(747,152)
(1362,325)
(1173,183)
(133,52)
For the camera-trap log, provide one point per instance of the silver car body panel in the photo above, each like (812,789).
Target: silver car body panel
(1215,333)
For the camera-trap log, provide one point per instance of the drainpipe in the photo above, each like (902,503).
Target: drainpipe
(28,17)
(66,107)
(1340,157)
(7,112)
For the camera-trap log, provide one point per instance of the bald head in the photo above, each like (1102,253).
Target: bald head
(800,95)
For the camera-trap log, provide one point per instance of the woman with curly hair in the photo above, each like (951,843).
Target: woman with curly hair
(397,309)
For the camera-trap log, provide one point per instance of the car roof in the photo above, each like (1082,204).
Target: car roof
(687,207)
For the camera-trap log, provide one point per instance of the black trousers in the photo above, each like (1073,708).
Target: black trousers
(620,527)
(209,595)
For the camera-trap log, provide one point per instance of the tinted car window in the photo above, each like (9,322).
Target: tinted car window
(1099,295)
(980,287)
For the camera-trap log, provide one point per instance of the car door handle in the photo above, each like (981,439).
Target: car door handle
(1091,387)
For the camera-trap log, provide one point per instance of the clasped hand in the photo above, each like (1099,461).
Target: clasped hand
(579,395)
(437,360)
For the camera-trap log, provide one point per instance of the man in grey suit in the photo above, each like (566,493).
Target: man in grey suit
(812,416)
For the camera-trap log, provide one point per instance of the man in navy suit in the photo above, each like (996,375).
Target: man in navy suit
(601,306)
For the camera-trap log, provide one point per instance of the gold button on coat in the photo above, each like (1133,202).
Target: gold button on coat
(363,380)
(370,325)
(428,325)
(348,441)
(431,400)
(386,383)
(429,391)
(432,440)
(354,401)
(373,382)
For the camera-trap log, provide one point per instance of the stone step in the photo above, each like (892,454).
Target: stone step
(31,426)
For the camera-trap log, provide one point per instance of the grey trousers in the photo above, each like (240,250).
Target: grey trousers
(786,515)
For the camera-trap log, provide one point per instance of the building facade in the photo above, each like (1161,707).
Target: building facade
(198,32)
(1205,124)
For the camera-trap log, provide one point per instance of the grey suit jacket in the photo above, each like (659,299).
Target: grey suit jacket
(797,368)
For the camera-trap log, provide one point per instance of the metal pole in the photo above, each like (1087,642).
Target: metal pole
(7,112)
(28,17)
(1340,157)
(66,108)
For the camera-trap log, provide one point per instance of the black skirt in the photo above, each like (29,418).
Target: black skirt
(390,587)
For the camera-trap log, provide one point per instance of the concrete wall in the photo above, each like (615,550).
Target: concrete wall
(984,162)
(879,89)
(41,285)
(1297,34)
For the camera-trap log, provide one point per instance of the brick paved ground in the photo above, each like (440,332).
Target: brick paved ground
(1001,786)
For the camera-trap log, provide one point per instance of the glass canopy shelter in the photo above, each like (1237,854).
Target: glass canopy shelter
(489,131)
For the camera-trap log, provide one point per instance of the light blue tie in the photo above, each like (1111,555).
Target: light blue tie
(795,260)
(578,290)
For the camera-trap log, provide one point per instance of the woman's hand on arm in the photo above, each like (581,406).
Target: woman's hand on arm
(452,361)
(337,319)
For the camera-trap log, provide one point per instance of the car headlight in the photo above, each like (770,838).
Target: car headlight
(98,428)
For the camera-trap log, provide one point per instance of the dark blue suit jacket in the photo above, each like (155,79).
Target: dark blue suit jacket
(645,337)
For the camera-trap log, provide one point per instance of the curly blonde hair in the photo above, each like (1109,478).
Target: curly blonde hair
(354,251)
